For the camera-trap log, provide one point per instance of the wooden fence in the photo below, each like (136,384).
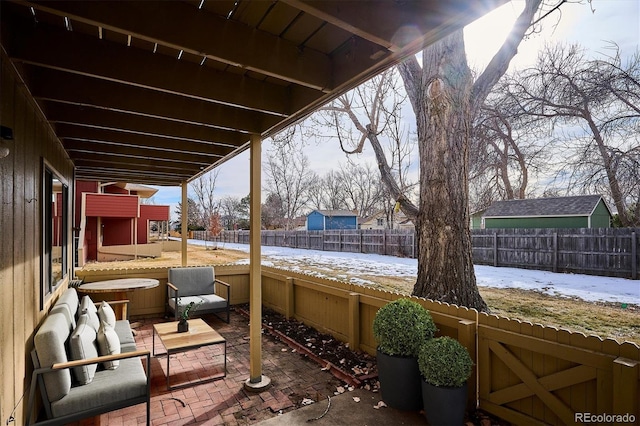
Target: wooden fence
(595,251)
(524,373)
(613,252)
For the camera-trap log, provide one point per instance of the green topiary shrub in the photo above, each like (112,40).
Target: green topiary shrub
(443,361)
(400,327)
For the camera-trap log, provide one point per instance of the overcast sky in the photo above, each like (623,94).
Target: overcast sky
(610,21)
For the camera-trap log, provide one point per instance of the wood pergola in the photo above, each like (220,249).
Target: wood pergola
(160,92)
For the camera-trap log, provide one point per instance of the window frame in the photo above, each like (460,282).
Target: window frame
(50,282)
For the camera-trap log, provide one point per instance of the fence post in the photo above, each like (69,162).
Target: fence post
(289,298)
(555,252)
(495,249)
(625,386)
(634,256)
(361,233)
(384,241)
(354,321)
(467,337)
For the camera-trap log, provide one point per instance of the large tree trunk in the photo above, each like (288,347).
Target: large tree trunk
(445,266)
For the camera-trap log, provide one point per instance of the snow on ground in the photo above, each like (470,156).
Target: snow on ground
(585,287)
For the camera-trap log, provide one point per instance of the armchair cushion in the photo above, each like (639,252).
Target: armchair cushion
(193,281)
(198,285)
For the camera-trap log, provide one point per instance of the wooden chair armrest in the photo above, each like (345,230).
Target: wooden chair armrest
(113,302)
(104,358)
(172,287)
(223,283)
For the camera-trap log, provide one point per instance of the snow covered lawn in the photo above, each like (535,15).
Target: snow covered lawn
(586,287)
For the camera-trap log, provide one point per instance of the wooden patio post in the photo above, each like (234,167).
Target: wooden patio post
(184,211)
(256,381)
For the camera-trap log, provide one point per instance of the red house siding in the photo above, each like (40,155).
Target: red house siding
(150,212)
(81,187)
(116,231)
(109,205)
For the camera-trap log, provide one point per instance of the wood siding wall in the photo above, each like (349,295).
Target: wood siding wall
(20,235)
(613,252)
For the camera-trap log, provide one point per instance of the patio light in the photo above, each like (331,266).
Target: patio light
(6,134)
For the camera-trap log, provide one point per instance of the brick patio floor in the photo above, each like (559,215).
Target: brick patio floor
(224,401)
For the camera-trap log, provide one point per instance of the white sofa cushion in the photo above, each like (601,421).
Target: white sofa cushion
(82,345)
(49,343)
(109,344)
(106,314)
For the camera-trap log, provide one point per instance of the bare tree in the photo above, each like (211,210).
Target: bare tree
(373,112)
(230,209)
(204,188)
(596,103)
(361,187)
(507,149)
(289,178)
(445,99)
(328,192)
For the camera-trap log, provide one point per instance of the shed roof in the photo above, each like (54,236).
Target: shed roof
(581,205)
(335,212)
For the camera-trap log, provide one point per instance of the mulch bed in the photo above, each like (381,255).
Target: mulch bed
(355,368)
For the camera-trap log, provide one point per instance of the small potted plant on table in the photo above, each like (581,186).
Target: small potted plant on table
(445,366)
(183,323)
(400,328)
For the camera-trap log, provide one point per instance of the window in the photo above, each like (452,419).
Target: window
(55,231)
(380,222)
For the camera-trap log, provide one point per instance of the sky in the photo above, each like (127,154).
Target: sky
(594,27)
(586,287)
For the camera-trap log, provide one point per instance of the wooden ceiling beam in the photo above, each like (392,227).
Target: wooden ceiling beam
(87,55)
(100,173)
(114,149)
(69,131)
(125,161)
(200,34)
(57,85)
(64,113)
(391,25)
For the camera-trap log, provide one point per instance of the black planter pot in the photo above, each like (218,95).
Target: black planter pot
(444,405)
(183,326)
(400,381)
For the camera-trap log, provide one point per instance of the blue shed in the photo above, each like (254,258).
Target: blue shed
(320,220)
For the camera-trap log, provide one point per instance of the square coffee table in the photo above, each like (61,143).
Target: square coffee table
(200,334)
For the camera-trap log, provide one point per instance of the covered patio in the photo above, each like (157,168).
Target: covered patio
(158,93)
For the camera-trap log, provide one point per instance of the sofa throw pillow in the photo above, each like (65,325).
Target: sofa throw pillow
(86,304)
(82,345)
(109,344)
(93,319)
(106,314)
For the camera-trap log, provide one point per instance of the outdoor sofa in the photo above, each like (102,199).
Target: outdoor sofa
(77,383)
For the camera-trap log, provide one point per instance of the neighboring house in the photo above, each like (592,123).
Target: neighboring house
(584,211)
(111,223)
(320,220)
(476,219)
(379,220)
